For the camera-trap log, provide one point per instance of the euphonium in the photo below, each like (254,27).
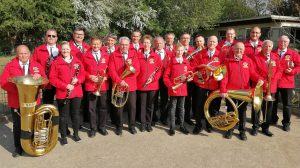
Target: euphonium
(39,128)
(119,93)
(227,120)
(207,70)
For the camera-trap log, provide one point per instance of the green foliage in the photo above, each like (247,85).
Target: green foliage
(236,9)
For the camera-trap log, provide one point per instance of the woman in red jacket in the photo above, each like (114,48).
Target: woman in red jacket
(19,66)
(148,82)
(176,68)
(267,63)
(67,74)
(96,84)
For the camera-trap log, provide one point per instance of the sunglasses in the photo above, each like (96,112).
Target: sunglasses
(53,36)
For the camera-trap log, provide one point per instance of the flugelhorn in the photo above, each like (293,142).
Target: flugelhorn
(39,128)
(119,93)
(101,80)
(227,120)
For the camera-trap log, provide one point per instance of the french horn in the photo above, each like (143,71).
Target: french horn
(39,128)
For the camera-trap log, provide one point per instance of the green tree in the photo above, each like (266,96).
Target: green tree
(27,20)
(236,9)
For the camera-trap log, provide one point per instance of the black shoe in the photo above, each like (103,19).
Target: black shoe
(286,128)
(164,122)
(197,130)
(228,135)
(92,133)
(103,131)
(132,130)
(243,136)
(209,129)
(153,123)
(63,141)
(184,130)
(143,128)
(149,128)
(18,152)
(171,132)
(190,122)
(76,138)
(267,132)
(253,132)
(119,131)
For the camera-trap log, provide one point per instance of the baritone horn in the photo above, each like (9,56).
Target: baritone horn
(227,120)
(39,128)
(120,93)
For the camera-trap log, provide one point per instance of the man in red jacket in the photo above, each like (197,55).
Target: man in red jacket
(170,42)
(19,66)
(45,55)
(204,88)
(110,45)
(119,62)
(253,45)
(240,70)
(136,45)
(78,46)
(225,46)
(290,63)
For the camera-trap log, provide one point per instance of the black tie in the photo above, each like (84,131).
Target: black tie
(51,53)
(97,59)
(23,68)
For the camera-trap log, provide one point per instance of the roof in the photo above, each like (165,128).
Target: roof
(260,19)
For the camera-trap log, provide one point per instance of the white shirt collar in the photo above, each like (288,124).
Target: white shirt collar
(254,43)
(179,60)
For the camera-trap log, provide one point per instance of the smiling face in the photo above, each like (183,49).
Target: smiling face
(267,47)
(135,37)
(185,39)
(255,34)
(124,46)
(179,51)
(212,43)
(230,35)
(283,42)
(51,37)
(23,53)
(96,45)
(238,50)
(170,39)
(159,44)
(110,42)
(147,44)
(65,50)
(78,36)
(199,41)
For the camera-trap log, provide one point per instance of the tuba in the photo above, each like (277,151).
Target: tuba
(39,128)
(206,70)
(227,120)
(119,93)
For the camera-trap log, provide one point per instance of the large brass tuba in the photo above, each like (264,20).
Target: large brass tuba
(120,94)
(39,128)
(227,120)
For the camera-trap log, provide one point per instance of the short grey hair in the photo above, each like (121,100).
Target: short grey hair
(267,41)
(123,38)
(284,37)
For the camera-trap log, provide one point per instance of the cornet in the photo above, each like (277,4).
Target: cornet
(101,80)
(184,78)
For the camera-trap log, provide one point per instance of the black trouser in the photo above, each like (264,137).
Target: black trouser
(84,106)
(48,95)
(286,99)
(189,100)
(98,110)
(72,107)
(147,99)
(242,113)
(161,106)
(131,103)
(267,115)
(176,104)
(214,107)
(16,128)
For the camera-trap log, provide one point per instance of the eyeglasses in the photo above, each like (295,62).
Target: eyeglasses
(49,35)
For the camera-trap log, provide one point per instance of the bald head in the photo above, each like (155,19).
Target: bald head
(238,50)
(23,53)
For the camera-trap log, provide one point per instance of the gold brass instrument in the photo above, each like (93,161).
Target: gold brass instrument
(39,128)
(295,97)
(207,70)
(227,120)
(268,97)
(184,78)
(119,93)
(191,55)
(100,82)
(151,77)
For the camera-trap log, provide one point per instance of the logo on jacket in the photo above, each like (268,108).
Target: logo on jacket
(36,70)
(245,65)
(216,59)
(103,60)
(151,61)
(287,57)
(259,49)
(185,69)
(129,61)
(273,63)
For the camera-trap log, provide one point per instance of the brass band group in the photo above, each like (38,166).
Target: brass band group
(156,80)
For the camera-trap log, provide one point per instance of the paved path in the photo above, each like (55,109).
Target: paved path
(157,149)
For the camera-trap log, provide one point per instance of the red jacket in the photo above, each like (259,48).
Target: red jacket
(62,73)
(288,79)
(41,55)
(93,68)
(76,52)
(13,69)
(104,49)
(175,69)
(148,67)
(117,65)
(238,75)
(249,50)
(168,56)
(190,50)
(202,58)
(141,49)
(173,48)
(262,69)
(225,51)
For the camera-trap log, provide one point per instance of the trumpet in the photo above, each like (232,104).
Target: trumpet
(101,80)
(182,79)
(191,55)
